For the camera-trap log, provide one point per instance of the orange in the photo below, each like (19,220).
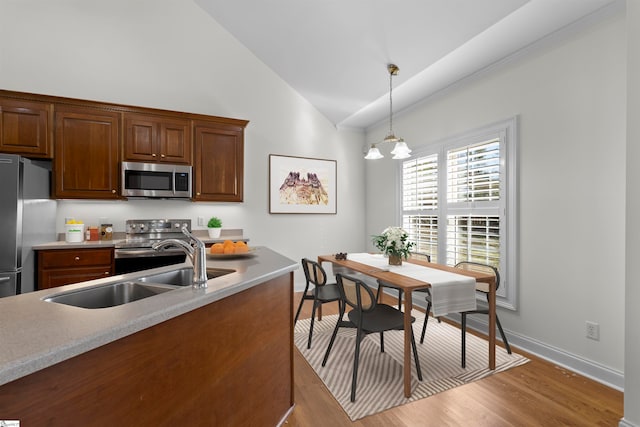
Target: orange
(242,249)
(217,248)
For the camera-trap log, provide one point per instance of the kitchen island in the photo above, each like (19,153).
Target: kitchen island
(216,356)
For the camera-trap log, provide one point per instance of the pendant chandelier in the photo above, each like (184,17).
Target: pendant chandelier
(401,150)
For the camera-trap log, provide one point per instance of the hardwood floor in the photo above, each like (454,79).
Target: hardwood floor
(538,393)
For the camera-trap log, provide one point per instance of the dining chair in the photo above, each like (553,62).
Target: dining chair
(482,288)
(321,293)
(367,316)
(427,293)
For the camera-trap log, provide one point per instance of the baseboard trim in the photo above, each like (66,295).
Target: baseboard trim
(625,423)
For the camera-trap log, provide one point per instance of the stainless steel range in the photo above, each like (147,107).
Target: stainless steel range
(135,252)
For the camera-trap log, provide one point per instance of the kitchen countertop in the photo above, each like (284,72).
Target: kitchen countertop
(36,334)
(61,244)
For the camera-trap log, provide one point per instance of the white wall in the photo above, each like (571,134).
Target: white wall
(170,54)
(632,297)
(569,95)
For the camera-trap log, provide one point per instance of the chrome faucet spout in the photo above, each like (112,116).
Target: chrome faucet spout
(195,250)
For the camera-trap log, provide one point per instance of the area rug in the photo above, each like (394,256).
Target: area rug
(380,376)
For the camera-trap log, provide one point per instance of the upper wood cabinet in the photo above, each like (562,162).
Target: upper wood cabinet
(86,153)
(26,128)
(156,139)
(219,161)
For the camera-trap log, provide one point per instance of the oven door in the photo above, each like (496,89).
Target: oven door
(136,259)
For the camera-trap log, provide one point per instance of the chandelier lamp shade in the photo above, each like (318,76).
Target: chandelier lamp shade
(401,149)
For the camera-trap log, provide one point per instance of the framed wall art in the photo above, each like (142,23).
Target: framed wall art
(302,185)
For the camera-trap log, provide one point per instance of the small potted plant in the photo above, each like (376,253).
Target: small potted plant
(214,226)
(393,242)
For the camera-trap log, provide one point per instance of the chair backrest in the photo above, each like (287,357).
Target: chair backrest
(313,272)
(480,268)
(420,256)
(356,293)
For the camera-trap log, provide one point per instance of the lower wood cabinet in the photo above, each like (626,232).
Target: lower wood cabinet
(57,267)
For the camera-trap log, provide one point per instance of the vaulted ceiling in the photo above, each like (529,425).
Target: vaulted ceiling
(335,52)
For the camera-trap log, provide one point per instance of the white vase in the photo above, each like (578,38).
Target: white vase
(214,233)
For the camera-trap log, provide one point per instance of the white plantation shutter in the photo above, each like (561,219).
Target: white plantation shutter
(420,203)
(473,172)
(457,197)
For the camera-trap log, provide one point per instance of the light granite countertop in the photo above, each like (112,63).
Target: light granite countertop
(36,334)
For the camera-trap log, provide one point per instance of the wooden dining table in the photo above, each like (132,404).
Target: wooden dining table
(408,285)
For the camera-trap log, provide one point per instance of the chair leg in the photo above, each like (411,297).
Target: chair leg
(313,315)
(424,325)
(415,356)
(355,365)
(504,338)
(304,297)
(334,334)
(381,342)
(463,327)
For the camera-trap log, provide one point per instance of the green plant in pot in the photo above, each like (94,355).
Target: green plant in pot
(214,226)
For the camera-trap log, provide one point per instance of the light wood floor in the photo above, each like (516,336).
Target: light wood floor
(538,393)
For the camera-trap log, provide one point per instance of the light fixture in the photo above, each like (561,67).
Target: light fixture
(401,149)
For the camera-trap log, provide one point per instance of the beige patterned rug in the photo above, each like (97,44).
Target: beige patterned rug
(380,384)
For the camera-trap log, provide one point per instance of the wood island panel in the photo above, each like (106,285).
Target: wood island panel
(229,363)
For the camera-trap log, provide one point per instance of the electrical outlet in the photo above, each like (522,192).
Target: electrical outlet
(200,221)
(593,330)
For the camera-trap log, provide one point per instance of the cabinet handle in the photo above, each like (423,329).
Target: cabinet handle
(162,155)
(197,194)
(106,273)
(113,191)
(77,258)
(153,155)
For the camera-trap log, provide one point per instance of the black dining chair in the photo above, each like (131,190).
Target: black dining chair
(367,316)
(418,292)
(484,289)
(321,293)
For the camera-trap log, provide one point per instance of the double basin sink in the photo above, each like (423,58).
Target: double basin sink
(118,293)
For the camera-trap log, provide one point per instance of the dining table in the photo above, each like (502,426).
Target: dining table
(408,285)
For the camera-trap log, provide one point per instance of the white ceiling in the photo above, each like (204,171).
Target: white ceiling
(335,52)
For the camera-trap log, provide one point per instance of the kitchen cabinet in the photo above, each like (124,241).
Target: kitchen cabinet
(26,128)
(57,267)
(150,138)
(219,160)
(86,153)
(226,363)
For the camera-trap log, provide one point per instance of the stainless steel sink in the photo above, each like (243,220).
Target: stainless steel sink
(109,295)
(135,289)
(183,276)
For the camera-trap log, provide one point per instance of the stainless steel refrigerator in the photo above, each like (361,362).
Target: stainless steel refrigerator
(27,218)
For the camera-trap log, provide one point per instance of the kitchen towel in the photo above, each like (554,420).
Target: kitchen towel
(450,292)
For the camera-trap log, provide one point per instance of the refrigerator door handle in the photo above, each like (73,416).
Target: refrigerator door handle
(5,279)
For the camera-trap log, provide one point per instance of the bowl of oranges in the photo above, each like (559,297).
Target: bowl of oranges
(229,249)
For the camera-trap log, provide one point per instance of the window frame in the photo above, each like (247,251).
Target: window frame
(507,131)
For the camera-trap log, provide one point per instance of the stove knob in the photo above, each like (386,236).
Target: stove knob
(185,225)
(176,225)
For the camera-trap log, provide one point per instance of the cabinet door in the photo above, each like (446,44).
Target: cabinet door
(86,154)
(25,128)
(156,139)
(219,162)
(140,138)
(59,267)
(175,141)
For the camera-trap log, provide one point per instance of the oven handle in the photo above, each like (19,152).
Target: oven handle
(131,253)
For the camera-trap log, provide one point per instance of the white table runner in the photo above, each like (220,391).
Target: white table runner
(450,292)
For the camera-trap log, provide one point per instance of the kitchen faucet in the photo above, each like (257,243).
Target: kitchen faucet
(196,251)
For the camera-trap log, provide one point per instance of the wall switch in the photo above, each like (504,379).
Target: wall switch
(201,221)
(593,330)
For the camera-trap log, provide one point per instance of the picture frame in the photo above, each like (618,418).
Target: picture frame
(302,185)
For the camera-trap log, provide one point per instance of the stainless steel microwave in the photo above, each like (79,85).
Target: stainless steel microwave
(156,180)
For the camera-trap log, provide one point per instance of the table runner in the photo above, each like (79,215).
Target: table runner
(450,292)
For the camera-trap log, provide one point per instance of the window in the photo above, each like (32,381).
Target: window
(458,201)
